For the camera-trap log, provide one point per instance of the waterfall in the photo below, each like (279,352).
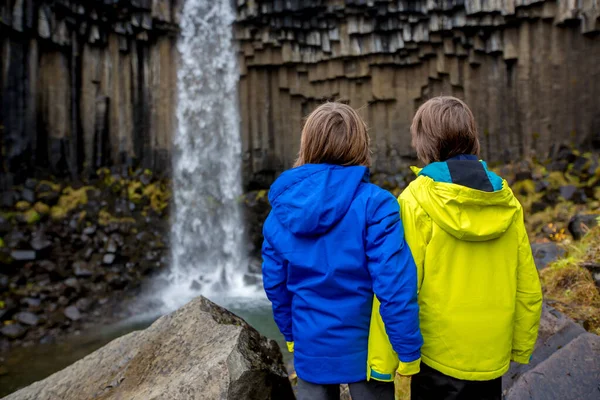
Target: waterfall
(207,232)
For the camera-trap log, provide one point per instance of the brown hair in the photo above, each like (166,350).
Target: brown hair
(334,133)
(442,128)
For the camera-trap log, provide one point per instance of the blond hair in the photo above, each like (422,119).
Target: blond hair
(334,133)
(442,128)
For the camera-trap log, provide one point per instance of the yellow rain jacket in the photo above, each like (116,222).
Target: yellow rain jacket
(480,296)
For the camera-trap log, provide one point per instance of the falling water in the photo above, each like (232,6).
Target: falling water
(207,232)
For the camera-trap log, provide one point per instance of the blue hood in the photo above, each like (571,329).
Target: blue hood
(311,199)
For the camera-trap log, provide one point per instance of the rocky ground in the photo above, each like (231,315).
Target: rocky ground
(71,253)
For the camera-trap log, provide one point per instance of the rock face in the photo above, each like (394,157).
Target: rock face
(565,364)
(86,83)
(199,352)
(524,66)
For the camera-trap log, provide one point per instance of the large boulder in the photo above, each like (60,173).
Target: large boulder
(200,351)
(565,364)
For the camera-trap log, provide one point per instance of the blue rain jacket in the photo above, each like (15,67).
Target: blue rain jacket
(331,241)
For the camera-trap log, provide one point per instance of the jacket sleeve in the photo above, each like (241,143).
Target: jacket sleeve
(394,277)
(417,232)
(274,269)
(528,308)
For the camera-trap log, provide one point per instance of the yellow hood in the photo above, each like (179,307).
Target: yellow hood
(465,213)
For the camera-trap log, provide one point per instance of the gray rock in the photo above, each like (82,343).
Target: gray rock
(562,366)
(545,253)
(111,247)
(572,373)
(23,255)
(27,318)
(581,223)
(198,352)
(13,331)
(72,312)
(40,243)
(90,230)
(28,195)
(108,259)
(81,269)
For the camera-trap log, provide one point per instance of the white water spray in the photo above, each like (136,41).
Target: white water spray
(207,235)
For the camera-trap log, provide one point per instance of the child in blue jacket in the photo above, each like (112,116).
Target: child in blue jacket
(331,242)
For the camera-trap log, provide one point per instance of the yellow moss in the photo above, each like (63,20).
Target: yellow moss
(159,196)
(556,179)
(134,191)
(105,218)
(572,287)
(22,206)
(41,208)
(68,201)
(31,216)
(524,187)
(55,187)
(261,194)
(1,245)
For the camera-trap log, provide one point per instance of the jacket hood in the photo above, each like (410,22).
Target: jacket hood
(479,213)
(311,199)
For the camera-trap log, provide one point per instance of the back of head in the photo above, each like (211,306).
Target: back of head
(333,160)
(444,127)
(334,133)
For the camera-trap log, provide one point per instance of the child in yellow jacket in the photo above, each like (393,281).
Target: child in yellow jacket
(480,297)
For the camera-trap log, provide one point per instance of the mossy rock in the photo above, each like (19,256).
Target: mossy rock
(159,196)
(135,192)
(31,216)
(69,201)
(45,185)
(41,208)
(525,187)
(22,206)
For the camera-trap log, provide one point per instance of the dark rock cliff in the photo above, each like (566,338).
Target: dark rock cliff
(85,83)
(528,68)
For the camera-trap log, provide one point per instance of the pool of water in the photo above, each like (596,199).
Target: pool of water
(28,365)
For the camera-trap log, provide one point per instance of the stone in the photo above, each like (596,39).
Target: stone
(572,372)
(83,304)
(90,230)
(28,195)
(580,224)
(111,247)
(567,191)
(81,269)
(72,312)
(47,265)
(200,351)
(31,302)
(564,350)
(5,226)
(545,253)
(108,259)
(27,318)
(13,331)
(8,199)
(23,255)
(40,243)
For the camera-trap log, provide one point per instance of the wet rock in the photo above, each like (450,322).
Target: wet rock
(72,283)
(8,199)
(83,304)
(87,254)
(567,191)
(40,243)
(111,246)
(545,253)
(108,259)
(31,183)
(27,318)
(3,282)
(23,255)
(199,351)
(72,312)
(580,224)
(81,269)
(49,198)
(90,230)
(13,331)
(47,265)
(5,226)
(594,268)
(28,195)
(31,303)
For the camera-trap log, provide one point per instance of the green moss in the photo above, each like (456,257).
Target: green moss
(159,196)
(31,216)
